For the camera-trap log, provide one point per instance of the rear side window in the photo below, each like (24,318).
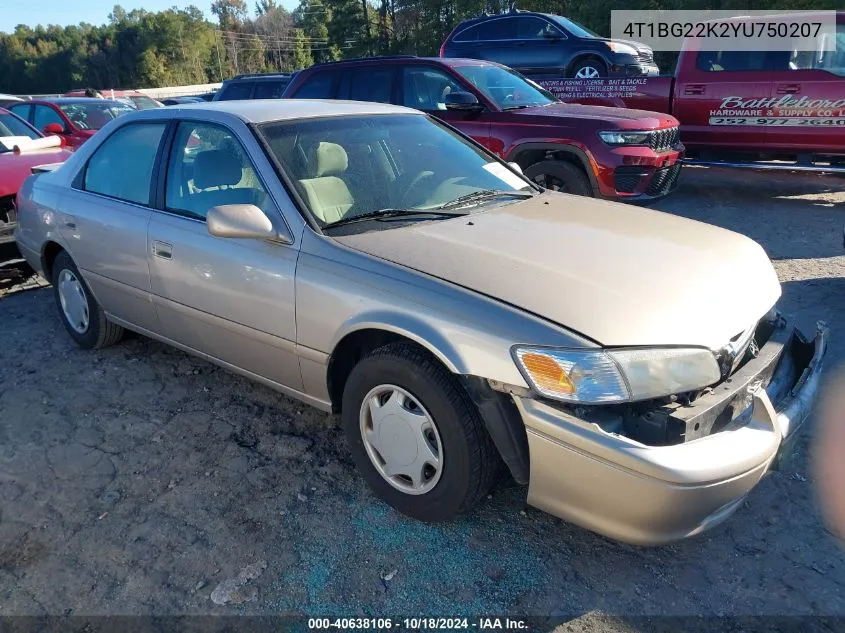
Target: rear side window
(498,29)
(317,86)
(733,61)
(122,166)
(237,91)
(269,89)
(369,83)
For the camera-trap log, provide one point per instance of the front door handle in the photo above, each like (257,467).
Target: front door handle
(163,250)
(789,89)
(69,222)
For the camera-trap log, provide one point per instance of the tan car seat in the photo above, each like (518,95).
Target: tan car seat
(328,196)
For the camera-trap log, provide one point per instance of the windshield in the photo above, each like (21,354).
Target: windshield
(143,102)
(93,115)
(350,166)
(10,125)
(574,28)
(507,89)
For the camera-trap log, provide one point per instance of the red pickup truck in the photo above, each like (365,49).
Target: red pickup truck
(742,108)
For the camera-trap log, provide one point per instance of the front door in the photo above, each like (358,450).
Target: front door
(232,299)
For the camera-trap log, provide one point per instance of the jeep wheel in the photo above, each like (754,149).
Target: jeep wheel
(560,176)
(415,435)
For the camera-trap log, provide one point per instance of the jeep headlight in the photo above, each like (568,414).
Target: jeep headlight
(604,376)
(622,137)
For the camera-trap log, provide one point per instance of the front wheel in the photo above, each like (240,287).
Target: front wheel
(82,316)
(589,69)
(416,437)
(560,176)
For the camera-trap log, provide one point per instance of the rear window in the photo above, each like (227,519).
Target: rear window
(733,61)
(236,91)
(317,86)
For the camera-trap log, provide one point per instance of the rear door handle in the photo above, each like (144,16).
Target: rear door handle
(694,89)
(163,250)
(789,89)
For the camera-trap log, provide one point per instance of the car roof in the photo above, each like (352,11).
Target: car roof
(264,110)
(453,62)
(71,100)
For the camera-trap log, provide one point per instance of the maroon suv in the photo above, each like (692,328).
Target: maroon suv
(612,153)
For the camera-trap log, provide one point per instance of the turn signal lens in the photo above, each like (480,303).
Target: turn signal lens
(589,377)
(547,374)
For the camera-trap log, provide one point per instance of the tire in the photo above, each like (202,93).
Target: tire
(469,461)
(560,176)
(100,332)
(589,68)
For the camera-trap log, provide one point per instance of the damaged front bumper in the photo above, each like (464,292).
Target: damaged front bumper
(596,477)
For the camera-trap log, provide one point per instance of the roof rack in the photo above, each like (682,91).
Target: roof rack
(247,75)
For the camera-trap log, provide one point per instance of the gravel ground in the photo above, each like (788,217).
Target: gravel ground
(139,480)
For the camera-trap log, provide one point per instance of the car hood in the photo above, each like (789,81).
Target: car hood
(613,117)
(618,274)
(15,168)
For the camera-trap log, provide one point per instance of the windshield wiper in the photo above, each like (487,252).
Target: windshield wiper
(390,213)
(483,194)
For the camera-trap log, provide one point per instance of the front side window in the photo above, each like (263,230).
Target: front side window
(411,162)
(11,125)
(821,59)
(122,166)
(507,89)
(94,114)
(425,88)
(208,168)
(44,115)
(531,28)
(572,27)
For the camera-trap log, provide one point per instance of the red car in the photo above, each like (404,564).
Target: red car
(131,97)
(741,108)
(613,153)
(74,119)
(16,166)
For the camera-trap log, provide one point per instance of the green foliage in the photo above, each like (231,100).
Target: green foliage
(140,48)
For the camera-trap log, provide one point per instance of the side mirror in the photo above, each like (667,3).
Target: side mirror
(54,128)
(463,101)
(240,220)
(516,168)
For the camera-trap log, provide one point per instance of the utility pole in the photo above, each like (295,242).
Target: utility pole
(219,63)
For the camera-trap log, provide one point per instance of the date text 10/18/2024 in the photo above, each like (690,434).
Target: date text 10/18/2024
(434,624)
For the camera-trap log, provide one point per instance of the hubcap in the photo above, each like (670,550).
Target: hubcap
(401,439)
(587,72)
(73,300)
(550,182)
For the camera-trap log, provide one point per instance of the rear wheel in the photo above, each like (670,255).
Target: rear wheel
(415,435)
(82,316)
(560,176)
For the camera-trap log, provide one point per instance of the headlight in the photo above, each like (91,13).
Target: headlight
(618,47)
(617,375)
(625,138)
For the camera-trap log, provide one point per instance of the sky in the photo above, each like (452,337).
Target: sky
(64,12)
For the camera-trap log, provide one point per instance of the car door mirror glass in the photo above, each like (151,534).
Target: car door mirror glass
(240,220)
(462,101)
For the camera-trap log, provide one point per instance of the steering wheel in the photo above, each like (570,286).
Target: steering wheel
(414,187)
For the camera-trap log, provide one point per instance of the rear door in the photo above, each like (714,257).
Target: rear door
(104,218)
(537,47)
(720,98)
(808,114)
(425,87)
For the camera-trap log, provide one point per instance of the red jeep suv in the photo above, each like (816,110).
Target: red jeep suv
(613,153)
